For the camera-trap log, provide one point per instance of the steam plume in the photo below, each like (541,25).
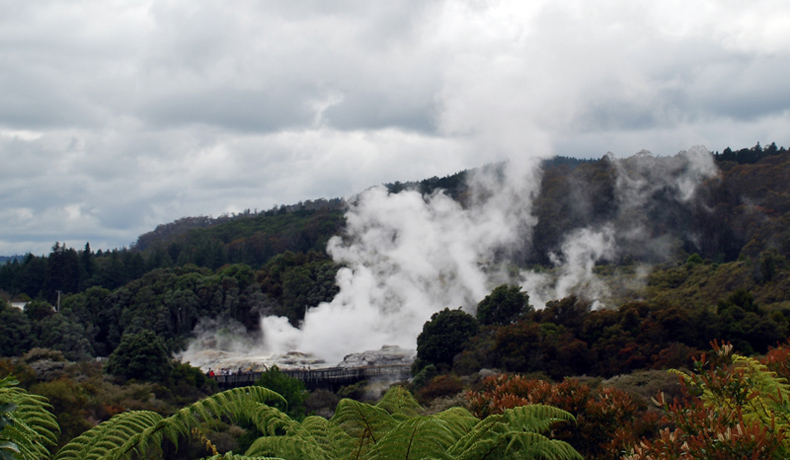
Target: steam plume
(643,183)
(406,256)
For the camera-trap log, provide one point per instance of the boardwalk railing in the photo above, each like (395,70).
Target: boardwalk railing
(330,378)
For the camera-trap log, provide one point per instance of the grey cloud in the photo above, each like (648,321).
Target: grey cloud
(377,111)
(745,88)
(30,100)
(260,111)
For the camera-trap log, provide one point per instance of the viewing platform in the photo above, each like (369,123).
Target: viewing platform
(330,378)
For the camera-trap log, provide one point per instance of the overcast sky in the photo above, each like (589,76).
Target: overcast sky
(116,116)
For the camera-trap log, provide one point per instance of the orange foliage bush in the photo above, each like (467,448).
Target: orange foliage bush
(441,385)
(609,421)
(735,408)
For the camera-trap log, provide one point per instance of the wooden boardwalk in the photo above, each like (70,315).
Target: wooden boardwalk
(330,378)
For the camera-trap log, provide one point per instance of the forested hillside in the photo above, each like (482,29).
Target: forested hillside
(275,262)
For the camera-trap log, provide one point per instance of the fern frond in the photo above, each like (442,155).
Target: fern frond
(314,433)
(515,434)
(399,403)
(105,440)
(414,439)
(484,437)
(267,419)
(232,403)
(33,428)
(136,432)
(537,446)
(232,456)
(484,447)
(536,418)
(364,424)
(769,394)
(286,447)
(458,420)
(227,403)
(319,430)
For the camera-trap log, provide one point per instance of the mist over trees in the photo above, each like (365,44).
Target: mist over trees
(275,262)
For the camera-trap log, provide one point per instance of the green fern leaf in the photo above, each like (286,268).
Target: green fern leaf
(286,447)
(267,419)
(414,439)
(364,424)
(31,427)
(537,446)
(399,403)
(458,420)
(105,440)
(536,418)
(136,432)
(231,456)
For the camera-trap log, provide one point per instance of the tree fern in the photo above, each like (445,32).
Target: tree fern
(536,418)
(31,428)
(231,403)
(516,434)
(232,456)
(134,433)
(389,430)
(267,419)
(392,430)
(287,447)
(537,446)
(399,403)
(310,440)
(769,396)
(458,420)
(105,439)
(363,424)
(414,439)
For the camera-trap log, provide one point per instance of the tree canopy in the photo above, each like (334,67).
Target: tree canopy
(504,305)
(443,336)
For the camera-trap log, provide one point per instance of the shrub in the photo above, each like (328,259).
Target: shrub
(608,419)
(440,386)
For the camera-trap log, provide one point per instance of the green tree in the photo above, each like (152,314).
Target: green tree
(63,272)
(443,337)
(14,331)
(60,332)
(290,388)
(140,356)
(505,305)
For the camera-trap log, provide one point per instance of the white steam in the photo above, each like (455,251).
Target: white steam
(407,256)
(574,273)
(639,179)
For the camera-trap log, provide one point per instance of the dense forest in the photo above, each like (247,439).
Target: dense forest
(719,273)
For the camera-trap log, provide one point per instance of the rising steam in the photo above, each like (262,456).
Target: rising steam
(640,181)
(406,256)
